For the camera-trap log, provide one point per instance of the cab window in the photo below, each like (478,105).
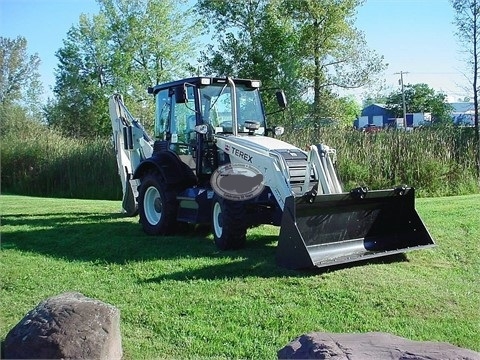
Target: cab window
(162,113)
(183,121)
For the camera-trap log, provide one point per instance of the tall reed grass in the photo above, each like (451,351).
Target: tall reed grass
(40,162)
(436,161)
(44,163)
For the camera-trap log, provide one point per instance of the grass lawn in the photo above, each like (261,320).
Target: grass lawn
(181,298)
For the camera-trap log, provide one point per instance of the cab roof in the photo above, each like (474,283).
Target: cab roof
(203,81)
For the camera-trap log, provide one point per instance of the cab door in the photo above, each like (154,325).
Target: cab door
(183,119)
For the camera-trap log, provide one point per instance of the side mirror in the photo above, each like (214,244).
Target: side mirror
(181,95)
(201,129)
(281,99)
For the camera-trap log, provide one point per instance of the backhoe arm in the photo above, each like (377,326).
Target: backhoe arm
(132,145)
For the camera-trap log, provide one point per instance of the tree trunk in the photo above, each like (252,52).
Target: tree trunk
(317,75)
(475,90)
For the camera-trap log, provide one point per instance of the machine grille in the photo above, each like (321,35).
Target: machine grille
(297,166)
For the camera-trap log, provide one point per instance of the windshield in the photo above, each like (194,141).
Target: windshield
(216,104)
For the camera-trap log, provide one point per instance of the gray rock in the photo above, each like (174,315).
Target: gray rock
(370,346)
(67,326)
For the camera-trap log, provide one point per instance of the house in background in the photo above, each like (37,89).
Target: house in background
(373,115)
(463,113)
(378,116)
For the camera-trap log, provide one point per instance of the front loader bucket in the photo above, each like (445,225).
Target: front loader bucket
(341,228)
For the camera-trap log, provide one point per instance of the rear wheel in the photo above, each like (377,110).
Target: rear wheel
(157,206)
(228,222)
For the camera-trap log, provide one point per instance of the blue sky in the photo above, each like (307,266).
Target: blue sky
(44,23)
(414,36)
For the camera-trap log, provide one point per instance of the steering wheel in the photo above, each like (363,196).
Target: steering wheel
(226,124)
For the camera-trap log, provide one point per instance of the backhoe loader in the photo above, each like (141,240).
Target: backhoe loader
(213,160)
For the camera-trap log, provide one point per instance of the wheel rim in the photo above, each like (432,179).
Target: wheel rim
(217,220)
(152,205)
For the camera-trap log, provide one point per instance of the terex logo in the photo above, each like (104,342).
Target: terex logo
(241,154)
(237,182)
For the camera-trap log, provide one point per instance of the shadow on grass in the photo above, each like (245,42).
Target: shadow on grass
(266,268)
(116,239)
(79,236)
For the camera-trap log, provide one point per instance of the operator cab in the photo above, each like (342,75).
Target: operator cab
(221,104)
(190,112)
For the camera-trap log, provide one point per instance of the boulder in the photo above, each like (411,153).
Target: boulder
(371,346)
(67,326)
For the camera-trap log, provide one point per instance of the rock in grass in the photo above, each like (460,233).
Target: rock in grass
(67,326)
(371,346)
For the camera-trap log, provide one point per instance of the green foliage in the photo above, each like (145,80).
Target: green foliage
(80,105)
(467,21)
(19,76)
(421,98)
(349,110)
(253,40)
(335,111)
(39,161)
(15,121)
(152,42)
(127,47)
(332,52)
(180,298)
(437,161)
(304,47)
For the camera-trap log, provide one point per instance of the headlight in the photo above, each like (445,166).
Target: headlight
(255,84)
(279,130)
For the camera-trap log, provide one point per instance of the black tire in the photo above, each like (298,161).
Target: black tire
(157,206)
(228,223)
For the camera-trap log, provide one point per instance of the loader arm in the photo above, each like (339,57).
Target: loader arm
(321,224)
(132,145)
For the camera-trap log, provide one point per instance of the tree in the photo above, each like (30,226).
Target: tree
(332,52)
(421,98)
(83,79)
(19,76)
(302,45)
(467,21)
(349,110)
(128,46)
(152,41)
(253,40)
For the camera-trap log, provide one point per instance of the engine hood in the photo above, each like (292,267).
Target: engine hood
(258,143)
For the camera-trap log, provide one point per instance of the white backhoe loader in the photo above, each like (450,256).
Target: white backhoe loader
(213,160)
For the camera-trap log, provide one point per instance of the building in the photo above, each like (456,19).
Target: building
(463,113)
(377,115)
(373,115)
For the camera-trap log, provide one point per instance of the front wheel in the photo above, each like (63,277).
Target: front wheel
(228,222)
(157,206)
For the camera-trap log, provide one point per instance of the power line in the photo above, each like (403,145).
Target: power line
(432,73)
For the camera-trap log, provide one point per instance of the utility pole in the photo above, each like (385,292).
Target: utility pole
(403,99)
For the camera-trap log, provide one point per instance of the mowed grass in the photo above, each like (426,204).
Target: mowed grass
(181,298)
